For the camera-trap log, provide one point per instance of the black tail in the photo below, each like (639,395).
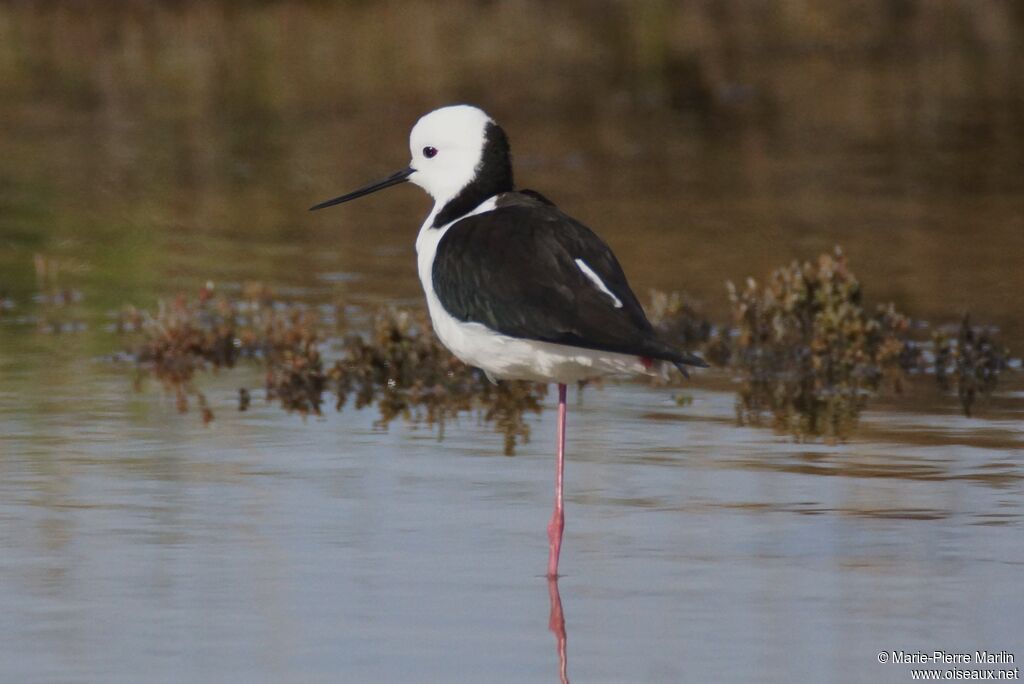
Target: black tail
(686,359)
(657,349)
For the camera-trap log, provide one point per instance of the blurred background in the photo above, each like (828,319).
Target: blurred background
(159,145)
(149,148)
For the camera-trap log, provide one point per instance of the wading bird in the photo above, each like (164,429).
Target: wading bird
(514,286)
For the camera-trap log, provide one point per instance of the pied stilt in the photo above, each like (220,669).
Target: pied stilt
(514,286)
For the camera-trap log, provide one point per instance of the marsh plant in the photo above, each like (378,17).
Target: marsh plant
(807,352)
(399,366)
(404,367)
(971,362)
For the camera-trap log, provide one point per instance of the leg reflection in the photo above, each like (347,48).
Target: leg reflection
(556,623)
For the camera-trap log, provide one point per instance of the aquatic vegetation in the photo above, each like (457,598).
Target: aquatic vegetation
(290,342)
(807,352)
(679,320)
(404,367)
(972,362)
(810,352)
(400,366)
(182,338)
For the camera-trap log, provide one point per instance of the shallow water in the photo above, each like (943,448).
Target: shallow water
(151,150)
(140,545)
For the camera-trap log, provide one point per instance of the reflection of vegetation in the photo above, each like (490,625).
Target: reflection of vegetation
(809,352)
(183,338)
(140,130)
(411,375)
(401,366)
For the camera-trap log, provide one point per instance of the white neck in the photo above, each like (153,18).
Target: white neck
(426,249)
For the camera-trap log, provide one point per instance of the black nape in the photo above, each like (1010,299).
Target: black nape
(493,176)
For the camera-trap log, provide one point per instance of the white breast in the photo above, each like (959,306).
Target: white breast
(502,356)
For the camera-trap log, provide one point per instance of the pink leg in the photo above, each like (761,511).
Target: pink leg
(557,523)
(556,623)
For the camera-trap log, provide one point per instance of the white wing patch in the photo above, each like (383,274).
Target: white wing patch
(598,283)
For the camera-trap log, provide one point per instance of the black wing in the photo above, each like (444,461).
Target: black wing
(515,270)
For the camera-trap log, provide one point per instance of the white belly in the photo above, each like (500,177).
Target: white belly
(512,358)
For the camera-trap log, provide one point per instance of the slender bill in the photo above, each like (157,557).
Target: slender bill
(394,179)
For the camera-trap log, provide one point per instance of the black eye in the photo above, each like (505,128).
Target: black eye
(429,151)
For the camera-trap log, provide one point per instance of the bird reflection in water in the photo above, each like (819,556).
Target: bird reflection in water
(556,623)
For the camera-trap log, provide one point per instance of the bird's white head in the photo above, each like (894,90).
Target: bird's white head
(460,156)
(447,147)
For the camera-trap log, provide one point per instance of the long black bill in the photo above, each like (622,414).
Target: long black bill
(393,179)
